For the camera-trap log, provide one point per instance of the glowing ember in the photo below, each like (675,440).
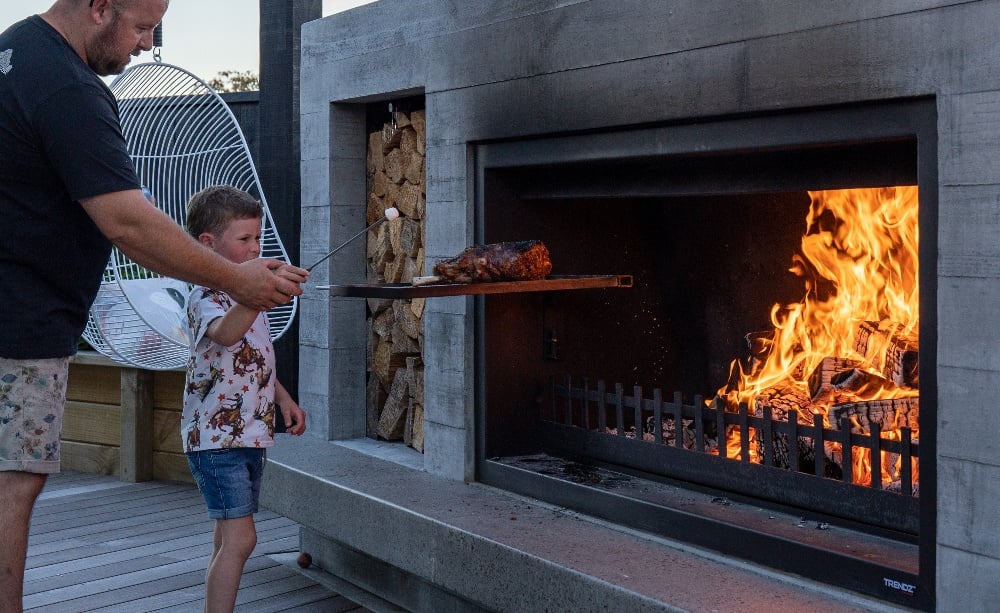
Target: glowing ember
(859,263)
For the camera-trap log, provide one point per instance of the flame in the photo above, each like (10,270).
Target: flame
(858,260)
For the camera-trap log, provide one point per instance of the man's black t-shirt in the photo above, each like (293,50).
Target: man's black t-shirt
(60,141)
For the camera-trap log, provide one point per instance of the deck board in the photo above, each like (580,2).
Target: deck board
(99,544)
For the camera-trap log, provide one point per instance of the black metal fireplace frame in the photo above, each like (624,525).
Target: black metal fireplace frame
(784,136)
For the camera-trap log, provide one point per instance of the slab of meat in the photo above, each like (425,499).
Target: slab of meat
(511,261)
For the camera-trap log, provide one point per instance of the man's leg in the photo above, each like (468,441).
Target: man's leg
(32,399)
(20,490)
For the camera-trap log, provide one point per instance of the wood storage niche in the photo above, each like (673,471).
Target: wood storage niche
(396,172)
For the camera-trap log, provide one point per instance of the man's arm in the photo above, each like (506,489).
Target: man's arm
(154,240)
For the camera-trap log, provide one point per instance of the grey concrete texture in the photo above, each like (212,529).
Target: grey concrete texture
(508,69)
(506,553)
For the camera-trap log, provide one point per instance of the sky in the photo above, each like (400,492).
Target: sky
(204,37)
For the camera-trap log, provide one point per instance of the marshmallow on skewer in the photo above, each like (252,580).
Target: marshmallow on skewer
(389,214)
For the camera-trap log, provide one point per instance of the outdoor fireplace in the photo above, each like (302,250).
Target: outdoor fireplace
(676,143)
(582,392)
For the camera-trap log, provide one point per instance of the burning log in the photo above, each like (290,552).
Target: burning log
(782,400)
(828,378)
(669,436)
(839,381)
(889,414)
(890,350)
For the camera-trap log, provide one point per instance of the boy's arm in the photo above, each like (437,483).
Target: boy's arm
(230,328)
(295,417)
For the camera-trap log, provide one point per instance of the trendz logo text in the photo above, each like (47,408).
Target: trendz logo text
(906,588)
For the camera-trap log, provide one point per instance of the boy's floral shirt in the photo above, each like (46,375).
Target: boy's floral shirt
(228,391)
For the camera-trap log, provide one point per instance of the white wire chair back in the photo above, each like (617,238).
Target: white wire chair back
(182,138)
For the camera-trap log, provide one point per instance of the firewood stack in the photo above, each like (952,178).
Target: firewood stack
(396,178)
(840,388)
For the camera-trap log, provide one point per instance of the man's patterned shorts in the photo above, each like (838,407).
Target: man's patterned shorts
(32,399)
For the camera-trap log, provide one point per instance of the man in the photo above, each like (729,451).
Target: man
(68,191)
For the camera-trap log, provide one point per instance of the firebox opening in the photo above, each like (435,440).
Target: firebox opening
(709,244)
(708,232)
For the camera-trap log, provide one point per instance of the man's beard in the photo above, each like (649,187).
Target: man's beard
(102,58)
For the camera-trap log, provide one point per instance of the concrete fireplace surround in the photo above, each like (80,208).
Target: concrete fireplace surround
(416,530)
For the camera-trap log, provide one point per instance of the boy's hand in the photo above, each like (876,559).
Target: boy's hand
(295,418)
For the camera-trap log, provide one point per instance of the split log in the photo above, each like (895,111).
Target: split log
(385,363)
(395,165)
(407,198)
(402,344)
(406,320)
(409,241)
(889,414)
(392,131)
(375,161)
(410,271)
(415,427)
(891,350)
(384,322)
(419,122)
(821,381)
(417,306)
(383,252)
(395,230)
(381,185)
(415,377)
(393,272)
(393,418)
(371,243)
(408,140)
(781,400)
(414,434)
(413,170)
(669,433)
(402,120)
(408,425)
(375,208)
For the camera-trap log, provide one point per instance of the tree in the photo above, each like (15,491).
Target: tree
(235,81)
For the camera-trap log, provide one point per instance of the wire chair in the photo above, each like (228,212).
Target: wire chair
(182,138)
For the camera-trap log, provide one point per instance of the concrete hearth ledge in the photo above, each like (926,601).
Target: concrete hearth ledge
(431,544)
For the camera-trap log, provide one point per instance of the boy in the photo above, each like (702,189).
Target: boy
(230,391)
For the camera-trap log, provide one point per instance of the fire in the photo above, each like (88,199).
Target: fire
(859,263)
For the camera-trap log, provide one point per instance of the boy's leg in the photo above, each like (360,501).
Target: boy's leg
(236,538)
(20,490)
(229,480)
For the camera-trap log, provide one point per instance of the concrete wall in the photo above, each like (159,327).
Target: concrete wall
(508,68)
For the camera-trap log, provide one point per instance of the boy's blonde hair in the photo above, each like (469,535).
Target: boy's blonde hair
(211,209)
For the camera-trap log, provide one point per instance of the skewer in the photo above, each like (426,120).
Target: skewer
(390,214)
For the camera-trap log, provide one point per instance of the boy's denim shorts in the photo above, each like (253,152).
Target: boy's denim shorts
(32,401)
(229,479)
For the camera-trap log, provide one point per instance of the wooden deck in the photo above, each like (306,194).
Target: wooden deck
(99,544)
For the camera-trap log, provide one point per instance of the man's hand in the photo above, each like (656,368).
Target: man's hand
(265,283)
